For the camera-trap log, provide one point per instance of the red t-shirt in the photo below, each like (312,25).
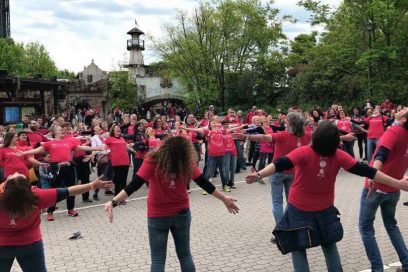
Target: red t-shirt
(166,197)
(35,138)
(315,176)
(395,139)
(60,150)
(26,231)
(119,154)
(229,144)
(286,142)
(344,126)
(375,126)
(215,142)
(12,163)
(154,142)
(267,147)
(77,153)
(193,134)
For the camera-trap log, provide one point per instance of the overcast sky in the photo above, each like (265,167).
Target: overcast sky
(77,31)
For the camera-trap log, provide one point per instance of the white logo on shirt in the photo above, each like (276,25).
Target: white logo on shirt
(172,184)
(322,165)
(12,222)
(299,142)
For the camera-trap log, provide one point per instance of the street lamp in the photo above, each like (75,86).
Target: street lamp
(370,29)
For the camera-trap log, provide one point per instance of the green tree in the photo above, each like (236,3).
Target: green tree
(217,44)
(38,61)
(122,90)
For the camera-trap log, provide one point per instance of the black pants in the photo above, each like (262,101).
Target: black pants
(120,174)
(349,147)
(101,169)
(197,147)
(262,159)
(82,172)
(64,179)
(362,138)
(136,165)
(253,152)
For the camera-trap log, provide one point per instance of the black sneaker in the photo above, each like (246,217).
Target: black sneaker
(95,197)
(405,203)
(109,192)
(273,240)
(87,200)
(232,186)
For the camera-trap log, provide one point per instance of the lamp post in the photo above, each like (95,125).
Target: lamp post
(370,29)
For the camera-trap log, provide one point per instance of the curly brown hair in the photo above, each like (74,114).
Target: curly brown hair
(175,158)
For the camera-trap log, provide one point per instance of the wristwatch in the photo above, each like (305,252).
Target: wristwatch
(114,203)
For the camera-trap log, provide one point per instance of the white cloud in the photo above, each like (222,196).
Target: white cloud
(76,31)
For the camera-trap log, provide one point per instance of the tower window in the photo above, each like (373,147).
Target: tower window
(89,78)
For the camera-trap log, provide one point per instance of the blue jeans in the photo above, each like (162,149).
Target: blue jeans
(241,162)
(212,163)
(279,182)
(30,257)
(368,208)
(331,254)
(179,226)
(230,162)
(371,146)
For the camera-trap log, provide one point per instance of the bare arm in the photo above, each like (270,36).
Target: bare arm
(260,137)
(197,130)
(38,150)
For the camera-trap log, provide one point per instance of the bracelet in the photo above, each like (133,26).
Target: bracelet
(259,177)
(114,203)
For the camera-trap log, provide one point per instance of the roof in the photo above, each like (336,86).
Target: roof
(135,30)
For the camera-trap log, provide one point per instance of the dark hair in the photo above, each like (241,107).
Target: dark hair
(18,200)
(112,130)
(326,139)
(155,125)
(176,157)
(7,138)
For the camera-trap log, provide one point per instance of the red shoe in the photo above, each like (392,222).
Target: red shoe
(73,213)
(50,217)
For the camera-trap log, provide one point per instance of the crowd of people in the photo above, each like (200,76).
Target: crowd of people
(300,151)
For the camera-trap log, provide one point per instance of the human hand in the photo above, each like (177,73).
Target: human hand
(109,210)
(252,176)
(404,184)
(348,137)
(101,184)
(229,202)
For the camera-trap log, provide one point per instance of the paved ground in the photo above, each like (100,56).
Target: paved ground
(220,241)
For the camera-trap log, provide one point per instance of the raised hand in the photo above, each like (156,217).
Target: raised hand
(101,184)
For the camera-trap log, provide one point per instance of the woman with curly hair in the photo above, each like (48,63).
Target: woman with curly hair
(168,170)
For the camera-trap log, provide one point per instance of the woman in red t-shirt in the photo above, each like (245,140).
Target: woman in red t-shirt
(168,170)
(376,128)
(118,157)
(10,159)
(20,218)
(310,218)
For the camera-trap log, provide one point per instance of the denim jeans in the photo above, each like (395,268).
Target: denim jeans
(29,257)
(371,145)
(387,202)
(331,254)
(279,182)
(179,226)
(212,163)
(230,162)
(241,163)
(263,158)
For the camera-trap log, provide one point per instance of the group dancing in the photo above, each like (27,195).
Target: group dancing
(300,152)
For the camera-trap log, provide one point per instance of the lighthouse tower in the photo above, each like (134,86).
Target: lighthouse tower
(135,46)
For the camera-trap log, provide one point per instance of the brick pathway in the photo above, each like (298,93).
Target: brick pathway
(220,241)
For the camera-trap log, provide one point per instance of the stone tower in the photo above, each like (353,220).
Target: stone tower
(135,46)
